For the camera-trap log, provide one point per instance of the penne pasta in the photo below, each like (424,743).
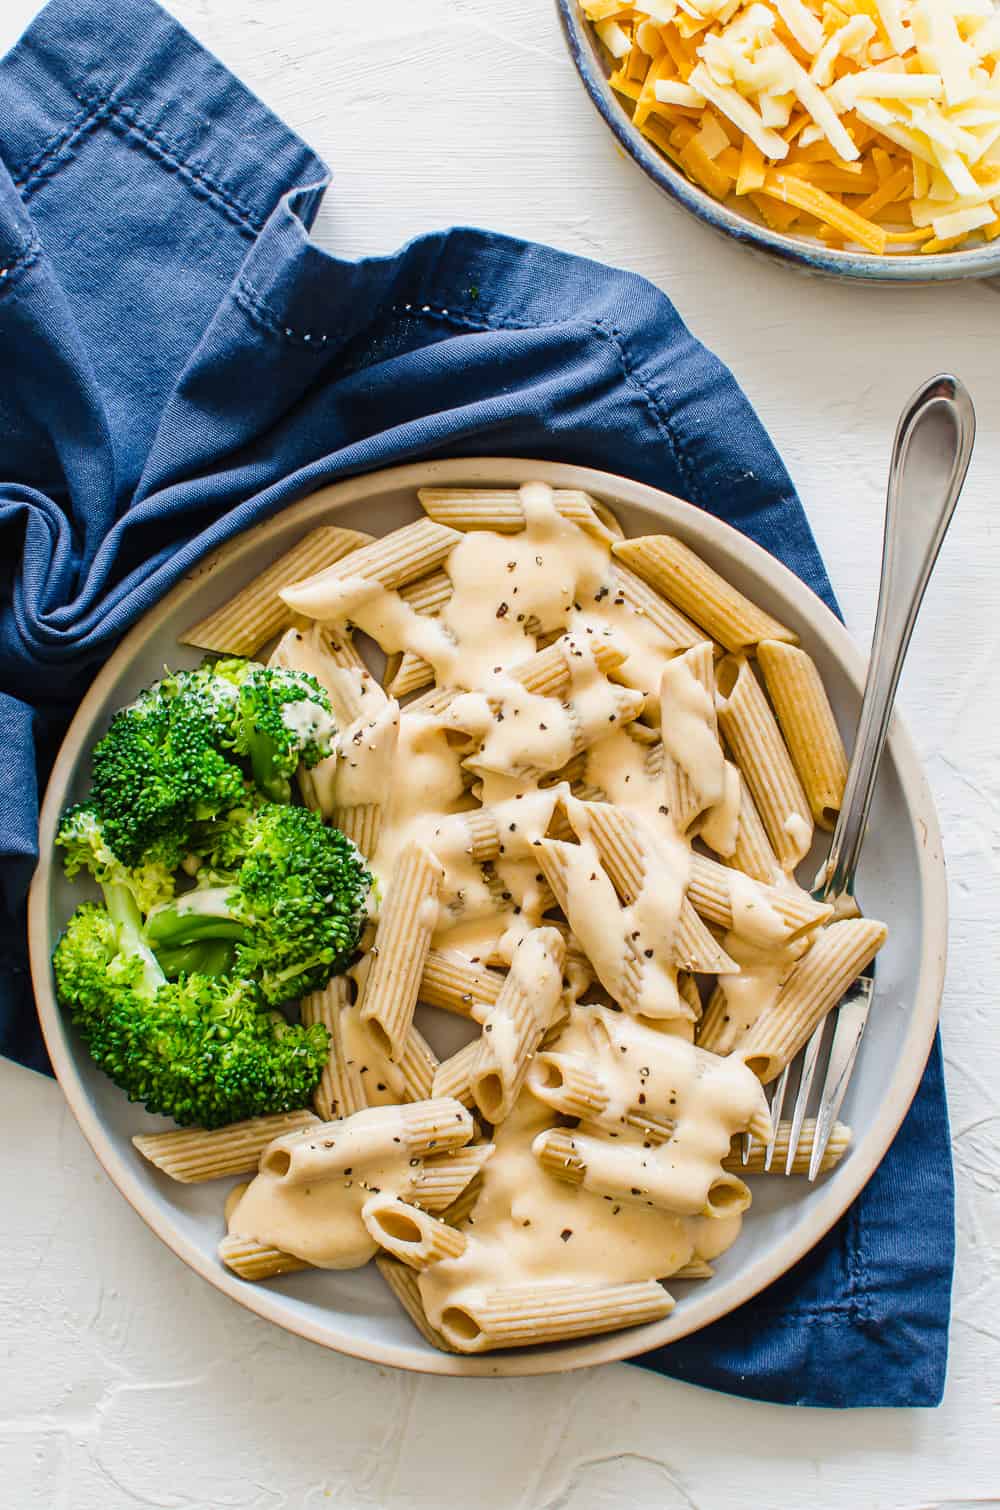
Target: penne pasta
(362,824)
(678,631)
(406,671)
(404,556)
(453,1076)
(245,623)
(443,1179)
(752,852)
(402,943)
(402,1281)
(568,1084)
(502,509)
(341,1088)
(549,1312)
(695,1268)
(413,1236)
(693,763)
(453,982)
(838,956)
(840,1142)
(192,1155)
(255,1261)
(808,724)
(699,592)
(763,914)
(590,803)
(463,1205)
(749,729)
(525,1007)
(627,1172)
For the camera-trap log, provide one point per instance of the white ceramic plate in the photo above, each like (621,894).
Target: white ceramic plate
(902,882)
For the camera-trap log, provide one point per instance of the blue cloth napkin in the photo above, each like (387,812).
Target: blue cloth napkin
(178,362)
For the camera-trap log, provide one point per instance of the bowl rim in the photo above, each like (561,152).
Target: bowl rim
(909,268)
(867,1153)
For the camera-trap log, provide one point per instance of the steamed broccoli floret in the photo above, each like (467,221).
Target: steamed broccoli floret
(282,717)
(82,835)
(287,892)
(161,768)
(199,1049)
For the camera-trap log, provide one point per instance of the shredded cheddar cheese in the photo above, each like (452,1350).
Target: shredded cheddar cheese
(866,123)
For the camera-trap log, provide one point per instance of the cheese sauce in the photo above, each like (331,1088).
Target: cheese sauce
(480,771)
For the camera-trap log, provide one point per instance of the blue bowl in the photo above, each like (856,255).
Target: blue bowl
(802,252)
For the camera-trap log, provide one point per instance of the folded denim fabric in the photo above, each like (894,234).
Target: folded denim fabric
(177,362)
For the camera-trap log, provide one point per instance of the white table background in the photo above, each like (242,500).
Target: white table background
(125,1380)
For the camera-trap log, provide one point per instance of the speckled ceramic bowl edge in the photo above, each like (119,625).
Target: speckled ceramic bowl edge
(976,262)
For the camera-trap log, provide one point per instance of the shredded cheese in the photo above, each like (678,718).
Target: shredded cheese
(883,116)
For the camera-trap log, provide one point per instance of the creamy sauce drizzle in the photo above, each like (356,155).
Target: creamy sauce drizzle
(494,752)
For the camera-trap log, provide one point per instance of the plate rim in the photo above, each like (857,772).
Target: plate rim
(910,268)
(699,1311)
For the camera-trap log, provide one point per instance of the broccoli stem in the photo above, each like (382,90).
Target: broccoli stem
(261,751)
(206,957)
(200,914)
(127,919)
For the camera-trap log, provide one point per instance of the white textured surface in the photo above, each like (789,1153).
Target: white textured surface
(127,1382)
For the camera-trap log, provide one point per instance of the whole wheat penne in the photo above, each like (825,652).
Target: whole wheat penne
(256,614)
(752,853)
(428,595)
(413,1236)
(341,1088)
(453,1076)
(839,954)
(548,671)
(763,914)
(402,943)
(696,949)
(194,1154)
(463,1205)
(443,1178)
(379,1132)
(362,824)
(678,631)
(418,1064)
(525,1006)
(807,722)
(631,1173)
(407,672)
(404,556)
(554,860)
(567,1083)
(453,982)
(698,591)
(502,509)
(840,1142)
(720,1029)
(693,762)
(695,1268)
(520,1315)
(687,988)
(402,1281)
(749,729)
(255,1261)
(624,847)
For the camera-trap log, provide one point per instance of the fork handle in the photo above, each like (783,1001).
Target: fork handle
(930,458)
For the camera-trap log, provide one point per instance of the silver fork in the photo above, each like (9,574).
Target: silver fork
(930,458)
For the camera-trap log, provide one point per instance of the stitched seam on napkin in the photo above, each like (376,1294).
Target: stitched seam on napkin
(253,303)
(25,259)
(36,166)
(98,109)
